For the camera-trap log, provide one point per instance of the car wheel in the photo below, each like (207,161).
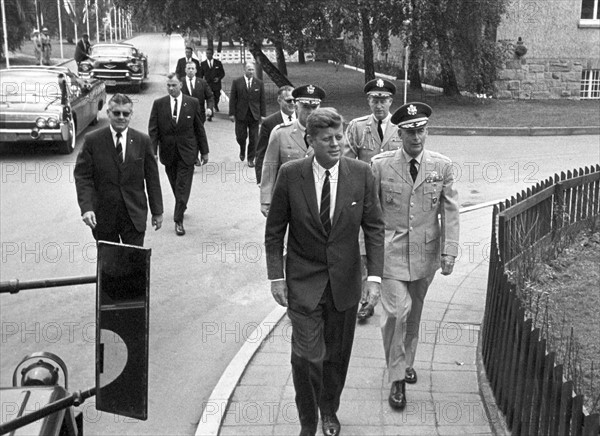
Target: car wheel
(67,147)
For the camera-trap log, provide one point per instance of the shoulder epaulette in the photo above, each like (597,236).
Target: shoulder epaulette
(383,155)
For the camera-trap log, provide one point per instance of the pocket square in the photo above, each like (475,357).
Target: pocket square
(189,116)
(353,204)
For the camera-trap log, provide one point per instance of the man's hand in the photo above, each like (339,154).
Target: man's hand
(89,218)
(373,294)
(279,291)
(264,209)
(447,264)
(157,221)
(203,159)
(232,118)
(209,112)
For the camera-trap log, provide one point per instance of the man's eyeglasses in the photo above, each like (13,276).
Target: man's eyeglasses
(119,113)
(289,100)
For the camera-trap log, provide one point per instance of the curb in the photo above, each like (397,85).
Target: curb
(514,131)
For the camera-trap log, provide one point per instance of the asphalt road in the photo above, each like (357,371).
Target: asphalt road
(208,288)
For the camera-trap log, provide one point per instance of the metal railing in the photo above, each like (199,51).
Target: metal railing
(527,381)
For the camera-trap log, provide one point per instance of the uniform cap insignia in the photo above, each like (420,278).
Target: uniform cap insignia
(412,110)
(379,83)
(310,89)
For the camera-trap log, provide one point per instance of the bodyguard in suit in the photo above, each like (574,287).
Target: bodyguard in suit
(246,108)
(285,115)
(177,131)
(420,210)
(288,142)
(82,49)
(371,135)
(198,88)
(213,72)
(111,170)
(322,201)
(182,62)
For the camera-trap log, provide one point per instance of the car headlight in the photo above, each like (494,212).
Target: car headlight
(85,67)
(52,123)
(134,67)
(40,122)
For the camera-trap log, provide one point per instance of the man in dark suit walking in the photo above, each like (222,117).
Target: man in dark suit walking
(246,107)
(111,170)
(182,62)
(198,88)
(177,131)
(322,201)
(285,115)
(82,49)
(212,71)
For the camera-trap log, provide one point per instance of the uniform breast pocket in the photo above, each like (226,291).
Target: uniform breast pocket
(431,196)
(391,195)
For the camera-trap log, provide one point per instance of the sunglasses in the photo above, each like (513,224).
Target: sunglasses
(119,113)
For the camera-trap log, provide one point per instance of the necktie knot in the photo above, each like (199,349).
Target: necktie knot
(290,118)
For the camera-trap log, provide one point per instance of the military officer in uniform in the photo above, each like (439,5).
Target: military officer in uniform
(288,143)
(420,210)
(366,137)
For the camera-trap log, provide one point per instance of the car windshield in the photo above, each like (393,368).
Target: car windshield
(29,86)
(111,51)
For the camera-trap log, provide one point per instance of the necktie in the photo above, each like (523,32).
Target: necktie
(119,147)
(325,204)
(413,169)
(290,118)
(174,118)
(191,85)
(380,130)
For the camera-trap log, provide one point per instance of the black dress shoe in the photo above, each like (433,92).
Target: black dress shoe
(251,163)
(397,398)
(331,425)
(242,157)
(364,312)
(410,376)
(209,118)
(179,230)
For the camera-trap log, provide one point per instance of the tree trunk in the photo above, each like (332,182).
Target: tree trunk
(220,43)
(209,41)
(446,60)
(414,75)
(281,65)
(367,35)
(267,66)
(301,58)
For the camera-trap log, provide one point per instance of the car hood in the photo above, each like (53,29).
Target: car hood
(40,106)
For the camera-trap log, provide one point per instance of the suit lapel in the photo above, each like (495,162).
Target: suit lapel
(372,125)
(389,133)
(425,159)
(110,144)
(298,136)
(400,166)
(344,188)
(308,188)
(130,151)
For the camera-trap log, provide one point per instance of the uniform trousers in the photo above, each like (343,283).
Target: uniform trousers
(321,347)
(247,128)
(402,303)
(180,177)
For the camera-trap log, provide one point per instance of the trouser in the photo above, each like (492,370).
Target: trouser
(247,129)
(124,230)
(217,96)
(402,304)
(180,177)
(321,348)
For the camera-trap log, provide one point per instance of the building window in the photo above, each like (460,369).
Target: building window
(590,12)
(590,84)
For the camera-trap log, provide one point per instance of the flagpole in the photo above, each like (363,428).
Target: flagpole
(5,34)
(74,10)
(60,28)
(87,16)
(97,25)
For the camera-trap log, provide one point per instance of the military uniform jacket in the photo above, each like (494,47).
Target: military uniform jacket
(421,218)
(286,143)
(364,142)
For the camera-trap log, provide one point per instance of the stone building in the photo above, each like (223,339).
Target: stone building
(559,52)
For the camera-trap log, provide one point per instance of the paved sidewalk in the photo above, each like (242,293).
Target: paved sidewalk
(445,401)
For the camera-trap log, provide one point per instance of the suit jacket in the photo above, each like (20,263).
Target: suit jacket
(102,182)
(82,50)
(180,69)
(210,74)
(421,218)
(364,142)
(243,99)
(315,258)
(263,140)
(185,136)
(202,92)
(286,143)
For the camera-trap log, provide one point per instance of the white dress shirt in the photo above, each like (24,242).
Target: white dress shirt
(179,100)
(286,120)
(319,175)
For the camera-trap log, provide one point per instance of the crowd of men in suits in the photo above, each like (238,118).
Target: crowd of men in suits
(353,216)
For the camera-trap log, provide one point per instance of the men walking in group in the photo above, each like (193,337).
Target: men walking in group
(82,49)
(288,142)
(212,71)
(246,108)
(115,165)
(285,115)
(322,201)
(182,62)
(177,132)
(370,135)
(421,214)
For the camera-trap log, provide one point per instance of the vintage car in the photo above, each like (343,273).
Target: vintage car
(116,64)
(39,104)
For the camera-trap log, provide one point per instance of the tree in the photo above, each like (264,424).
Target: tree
(20,19)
